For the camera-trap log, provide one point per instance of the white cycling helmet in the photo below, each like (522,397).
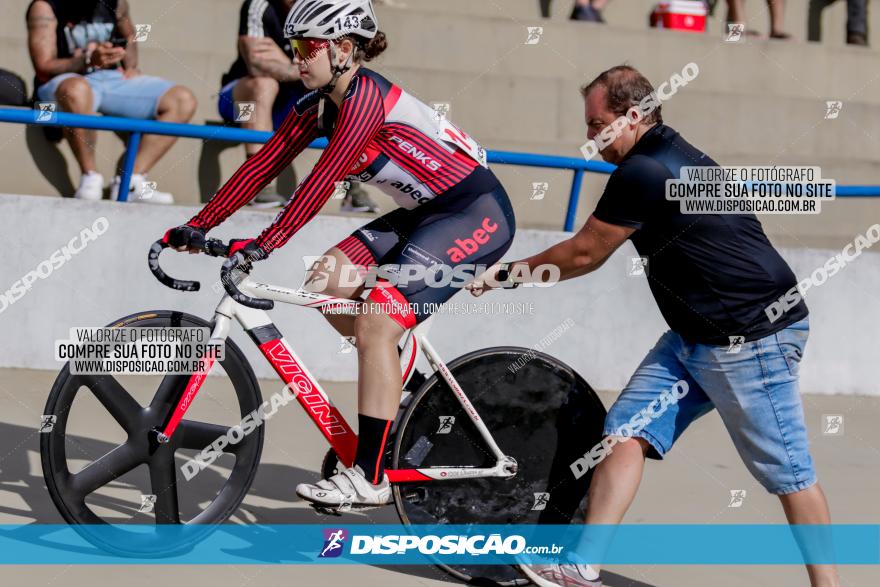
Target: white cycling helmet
(331,19)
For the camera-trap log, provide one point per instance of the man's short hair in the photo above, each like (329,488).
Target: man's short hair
(625,87)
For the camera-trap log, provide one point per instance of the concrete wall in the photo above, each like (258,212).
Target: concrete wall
(616,320)
(753,103)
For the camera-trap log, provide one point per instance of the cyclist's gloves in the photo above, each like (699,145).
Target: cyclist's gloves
(185,236)
(247,249)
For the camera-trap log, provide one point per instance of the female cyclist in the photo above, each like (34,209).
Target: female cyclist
(453,210)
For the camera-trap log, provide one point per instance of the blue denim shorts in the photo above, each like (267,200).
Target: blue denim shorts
(284,101)
(114,95)
(753,387)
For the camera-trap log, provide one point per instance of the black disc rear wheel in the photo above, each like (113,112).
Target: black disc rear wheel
(538,410)
(121,476)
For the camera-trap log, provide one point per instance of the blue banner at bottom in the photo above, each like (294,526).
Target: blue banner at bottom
(449,544)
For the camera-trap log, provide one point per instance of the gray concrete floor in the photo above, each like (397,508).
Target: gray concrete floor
(691,486)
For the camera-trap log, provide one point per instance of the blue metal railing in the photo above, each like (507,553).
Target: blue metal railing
(223,133)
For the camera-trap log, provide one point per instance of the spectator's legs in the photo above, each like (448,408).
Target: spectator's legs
(176,105)
(736,11)
(809,506)
(74,95)
(777,19)
(814,18)
(545,8)
(588,10)
(263,91)
(857,22)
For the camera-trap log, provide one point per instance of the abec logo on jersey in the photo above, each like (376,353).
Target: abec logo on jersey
(410,190)
(334,542)
(470,245)
(416,154)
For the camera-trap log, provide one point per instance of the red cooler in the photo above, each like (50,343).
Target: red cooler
(680,15)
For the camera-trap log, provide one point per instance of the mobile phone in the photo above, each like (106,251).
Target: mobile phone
(119,42)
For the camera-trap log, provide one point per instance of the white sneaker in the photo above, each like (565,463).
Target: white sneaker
(348,488)
(141,190)
(557,575)
(91,186)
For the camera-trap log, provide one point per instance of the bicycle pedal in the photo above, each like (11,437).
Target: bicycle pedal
(326,510)
(344,508)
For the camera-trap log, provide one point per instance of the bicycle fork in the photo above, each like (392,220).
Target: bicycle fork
(195,381)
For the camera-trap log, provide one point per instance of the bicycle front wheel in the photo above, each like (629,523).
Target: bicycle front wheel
(105,472)
(538,410)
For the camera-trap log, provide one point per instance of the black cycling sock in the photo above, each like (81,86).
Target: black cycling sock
(372,438)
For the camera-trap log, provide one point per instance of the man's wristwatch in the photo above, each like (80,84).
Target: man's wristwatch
(503,277)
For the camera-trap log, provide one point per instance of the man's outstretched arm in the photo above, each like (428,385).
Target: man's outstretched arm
(584,252)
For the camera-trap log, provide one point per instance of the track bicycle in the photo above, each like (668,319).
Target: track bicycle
(484,439)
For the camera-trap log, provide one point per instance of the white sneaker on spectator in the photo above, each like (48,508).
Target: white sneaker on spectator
(141,190)
(562,575)
(91,186)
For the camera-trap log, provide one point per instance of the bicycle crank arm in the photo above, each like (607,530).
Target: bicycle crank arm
(505,468)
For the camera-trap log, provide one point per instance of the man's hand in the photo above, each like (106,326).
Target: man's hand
(265,48)
(106,55)
(265,58)
(485,282)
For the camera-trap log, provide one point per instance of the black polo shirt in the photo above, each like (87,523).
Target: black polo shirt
(712,275)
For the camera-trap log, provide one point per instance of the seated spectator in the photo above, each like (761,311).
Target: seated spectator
(736,12)
(586,10)
(12,90)
(856,21)
(86,61)
(259,89)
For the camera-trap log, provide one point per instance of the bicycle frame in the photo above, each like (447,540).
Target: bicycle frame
(308,390)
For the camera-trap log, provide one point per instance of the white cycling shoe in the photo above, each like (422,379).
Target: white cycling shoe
(346,489)
(565,575)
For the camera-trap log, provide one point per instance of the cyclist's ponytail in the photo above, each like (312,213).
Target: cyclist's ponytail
(374,47)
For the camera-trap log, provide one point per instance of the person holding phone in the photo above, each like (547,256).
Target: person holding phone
(86,61)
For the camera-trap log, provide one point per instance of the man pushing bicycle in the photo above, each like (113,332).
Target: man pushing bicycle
(712,277)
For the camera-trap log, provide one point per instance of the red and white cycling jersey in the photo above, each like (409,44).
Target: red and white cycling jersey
(418,154)
(380,135)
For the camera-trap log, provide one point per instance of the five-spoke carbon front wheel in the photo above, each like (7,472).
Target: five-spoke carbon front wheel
(106,485)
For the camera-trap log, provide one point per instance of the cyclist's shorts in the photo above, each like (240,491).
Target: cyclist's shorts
(422,257)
